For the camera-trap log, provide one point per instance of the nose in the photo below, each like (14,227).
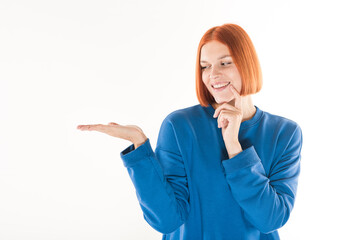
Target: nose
(214,73)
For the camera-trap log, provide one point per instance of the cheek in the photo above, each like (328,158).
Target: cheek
(205,77)
(234,76)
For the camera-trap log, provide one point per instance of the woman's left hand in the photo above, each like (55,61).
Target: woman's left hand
(229,119)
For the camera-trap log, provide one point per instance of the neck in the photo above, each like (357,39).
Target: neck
(248,109)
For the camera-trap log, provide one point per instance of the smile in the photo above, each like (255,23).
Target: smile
(220,87)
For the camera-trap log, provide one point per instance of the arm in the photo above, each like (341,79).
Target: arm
(266,201)
(160,180)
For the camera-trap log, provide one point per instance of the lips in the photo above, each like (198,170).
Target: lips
(220,88)
(220,84)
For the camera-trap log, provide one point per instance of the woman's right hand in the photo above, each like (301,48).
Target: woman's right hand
(128,132)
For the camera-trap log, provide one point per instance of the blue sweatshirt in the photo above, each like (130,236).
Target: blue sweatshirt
(189,189)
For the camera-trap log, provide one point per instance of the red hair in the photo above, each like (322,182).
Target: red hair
(244,57)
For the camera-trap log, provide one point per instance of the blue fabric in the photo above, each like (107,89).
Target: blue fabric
(189,189)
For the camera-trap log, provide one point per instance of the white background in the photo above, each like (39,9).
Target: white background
(65,63)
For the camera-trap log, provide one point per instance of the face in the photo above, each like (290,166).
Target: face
(219,71)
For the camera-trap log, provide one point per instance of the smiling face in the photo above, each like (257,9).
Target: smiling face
(219,71)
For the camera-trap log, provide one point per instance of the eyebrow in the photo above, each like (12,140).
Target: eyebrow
(219,58)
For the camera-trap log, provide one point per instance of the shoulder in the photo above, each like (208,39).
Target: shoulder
(185,114)
(185,120)
(180,123)
(282,126)
(278,120)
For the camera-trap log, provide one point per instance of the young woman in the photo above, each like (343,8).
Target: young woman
(223,169)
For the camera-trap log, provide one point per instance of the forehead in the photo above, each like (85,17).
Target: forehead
(213,49)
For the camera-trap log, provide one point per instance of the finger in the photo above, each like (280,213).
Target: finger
(223,106)
(92,127)
(222,118)
(223,123)
(99,128)
(82,127)
(112,123)
(237,97)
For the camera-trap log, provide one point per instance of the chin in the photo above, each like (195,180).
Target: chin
(223,100)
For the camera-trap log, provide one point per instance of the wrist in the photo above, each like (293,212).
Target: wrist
(139,141)
(233,148)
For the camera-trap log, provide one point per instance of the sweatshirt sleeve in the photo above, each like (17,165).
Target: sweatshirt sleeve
(266,201)
(160,180)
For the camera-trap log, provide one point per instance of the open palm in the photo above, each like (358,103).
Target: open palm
(131,133)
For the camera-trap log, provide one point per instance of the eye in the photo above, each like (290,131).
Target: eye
(226,63)
(204,67)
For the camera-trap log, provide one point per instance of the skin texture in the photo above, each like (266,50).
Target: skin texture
(131,133)
(230,108)
(215,69)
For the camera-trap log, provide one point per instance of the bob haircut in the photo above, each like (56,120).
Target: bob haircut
(244,57)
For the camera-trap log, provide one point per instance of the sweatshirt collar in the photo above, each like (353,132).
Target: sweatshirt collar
(246,124)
